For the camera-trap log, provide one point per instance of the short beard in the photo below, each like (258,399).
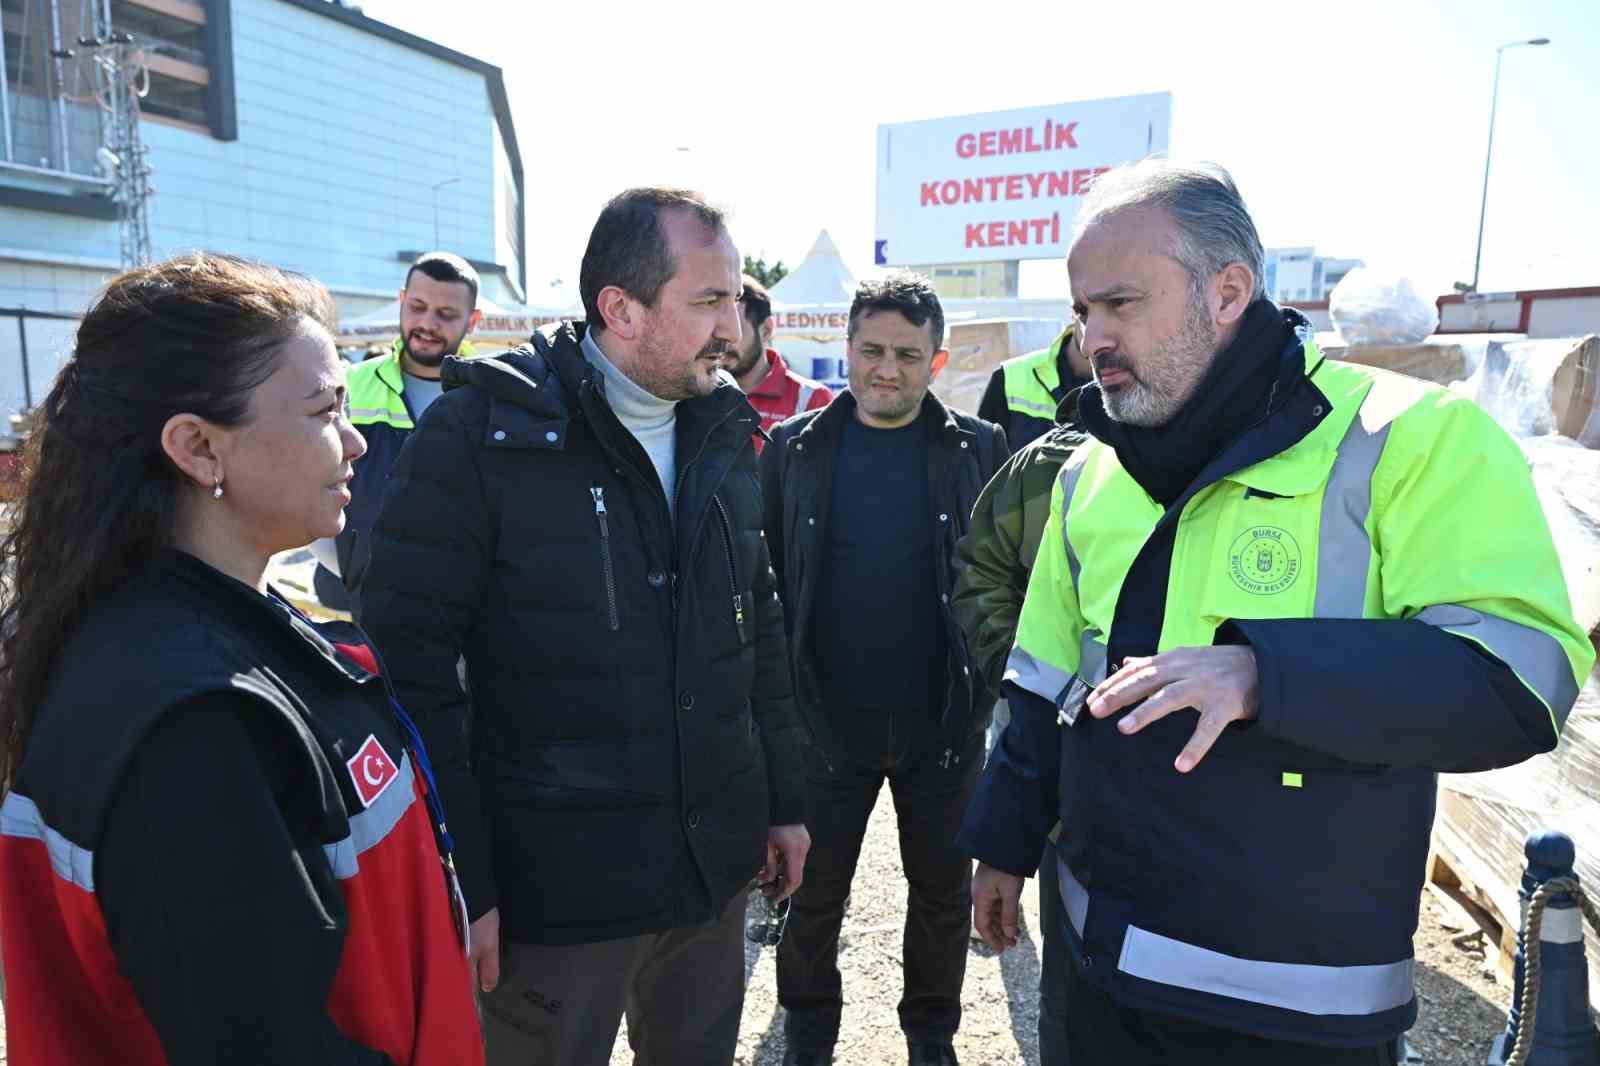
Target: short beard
(429,361)
(748,360)
(1167,377)
(664,377)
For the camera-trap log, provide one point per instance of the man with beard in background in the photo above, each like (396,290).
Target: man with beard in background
(775,391)
(438,308)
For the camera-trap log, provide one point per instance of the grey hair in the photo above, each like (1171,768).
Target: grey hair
(1214,229)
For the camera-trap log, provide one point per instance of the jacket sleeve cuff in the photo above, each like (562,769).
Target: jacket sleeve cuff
(1014,804)
(991,831)
(473,858)
(786,785)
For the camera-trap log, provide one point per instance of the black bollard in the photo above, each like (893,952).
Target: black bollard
(1562,1032)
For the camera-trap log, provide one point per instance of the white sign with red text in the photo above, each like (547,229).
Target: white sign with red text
(1004,185)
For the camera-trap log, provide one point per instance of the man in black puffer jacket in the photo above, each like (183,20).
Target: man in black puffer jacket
(865,500)
(581,519)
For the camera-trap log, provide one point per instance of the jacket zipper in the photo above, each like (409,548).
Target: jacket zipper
(599,495)
(677,502)
(733,575)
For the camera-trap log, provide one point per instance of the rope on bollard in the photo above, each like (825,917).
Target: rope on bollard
(1533,948)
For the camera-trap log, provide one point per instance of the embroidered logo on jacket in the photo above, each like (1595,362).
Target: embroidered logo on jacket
(371,770)
(1264,560)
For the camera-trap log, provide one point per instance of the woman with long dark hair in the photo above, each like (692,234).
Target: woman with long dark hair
(218,843)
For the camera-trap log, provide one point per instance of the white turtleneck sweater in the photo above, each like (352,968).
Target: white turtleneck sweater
(652,420)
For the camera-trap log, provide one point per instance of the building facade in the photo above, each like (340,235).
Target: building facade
(1300,275)
(298,132)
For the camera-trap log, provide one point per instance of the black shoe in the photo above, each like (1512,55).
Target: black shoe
(807,1058)
(931,1054)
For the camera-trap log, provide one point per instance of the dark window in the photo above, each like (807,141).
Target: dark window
(175,97)
(162,33)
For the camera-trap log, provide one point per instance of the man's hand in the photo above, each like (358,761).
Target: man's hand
(995,895)
(484,958)
(1220,682)
(787,846)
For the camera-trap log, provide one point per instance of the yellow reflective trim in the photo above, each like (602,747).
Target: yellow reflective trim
(1292,780)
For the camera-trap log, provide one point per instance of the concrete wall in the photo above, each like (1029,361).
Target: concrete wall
(1481,316)
(1562,313)
(1575,317)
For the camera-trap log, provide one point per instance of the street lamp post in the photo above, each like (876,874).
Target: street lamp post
(436,187)
(1494,103)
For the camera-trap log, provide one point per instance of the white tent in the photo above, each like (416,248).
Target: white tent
(822,278)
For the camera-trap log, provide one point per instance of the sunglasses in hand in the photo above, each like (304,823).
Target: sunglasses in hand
(765,919)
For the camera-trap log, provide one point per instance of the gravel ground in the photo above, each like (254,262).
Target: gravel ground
(1462,1005)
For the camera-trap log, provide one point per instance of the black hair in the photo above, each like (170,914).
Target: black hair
(910,294)
(444,266)
(628,246)
(757,301)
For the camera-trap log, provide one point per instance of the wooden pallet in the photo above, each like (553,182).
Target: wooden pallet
(1475,910)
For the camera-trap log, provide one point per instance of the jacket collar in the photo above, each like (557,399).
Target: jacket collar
(388,369)
(271,611)
(547,376)
(774,383)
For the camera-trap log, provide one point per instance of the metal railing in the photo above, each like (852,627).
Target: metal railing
(28,368)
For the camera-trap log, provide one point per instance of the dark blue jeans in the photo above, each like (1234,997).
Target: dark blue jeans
(929,800)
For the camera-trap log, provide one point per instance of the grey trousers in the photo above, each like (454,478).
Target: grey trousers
(682,992)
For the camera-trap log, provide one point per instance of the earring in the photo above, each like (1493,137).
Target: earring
(216,490)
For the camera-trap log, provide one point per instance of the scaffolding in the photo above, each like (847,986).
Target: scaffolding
(120,79)
(69,109)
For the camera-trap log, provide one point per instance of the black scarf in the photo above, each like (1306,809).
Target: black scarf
(1233,395)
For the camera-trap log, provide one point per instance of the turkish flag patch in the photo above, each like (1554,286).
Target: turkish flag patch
(371,770)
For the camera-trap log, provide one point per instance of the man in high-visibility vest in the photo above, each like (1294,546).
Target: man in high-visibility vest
(1275,596)
(1023,393)
(387,394)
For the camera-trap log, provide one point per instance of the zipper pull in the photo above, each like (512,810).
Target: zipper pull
(738,614)
(599,495)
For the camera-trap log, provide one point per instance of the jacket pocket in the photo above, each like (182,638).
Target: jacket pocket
(608,571)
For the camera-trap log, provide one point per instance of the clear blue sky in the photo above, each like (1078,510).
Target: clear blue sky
(1358,127)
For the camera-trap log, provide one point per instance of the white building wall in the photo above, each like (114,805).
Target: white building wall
(342,136)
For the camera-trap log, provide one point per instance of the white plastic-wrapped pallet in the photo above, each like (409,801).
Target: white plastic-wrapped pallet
(1372,307)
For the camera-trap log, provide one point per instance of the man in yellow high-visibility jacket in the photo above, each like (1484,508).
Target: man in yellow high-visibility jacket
(1024,393)
(387,394)
(1275,596)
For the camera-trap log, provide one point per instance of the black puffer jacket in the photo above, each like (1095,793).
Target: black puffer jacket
(797,479)
(632,732)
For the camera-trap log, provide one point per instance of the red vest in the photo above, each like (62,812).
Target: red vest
(402,984)
(783,394)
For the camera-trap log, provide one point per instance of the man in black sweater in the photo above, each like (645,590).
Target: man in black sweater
(864,502)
